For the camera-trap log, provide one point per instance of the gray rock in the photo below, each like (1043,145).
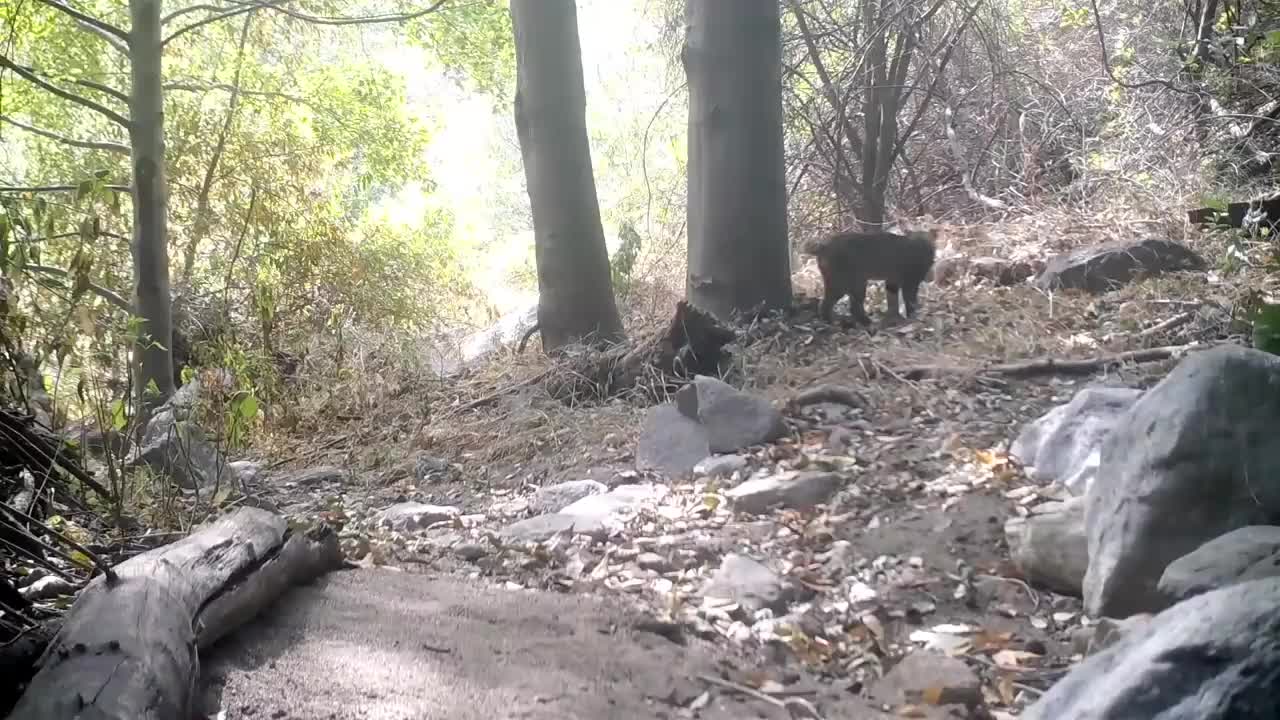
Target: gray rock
(1220,562)
(720,466)
(1194,458)
(653,561)
(921,671)
(1051,549)
(315,477)
(174,446)
(246,471)
(409,516)
(750,584)
(541,528)
(1065,445)
(428,468)
(1103,267)
(792,490)
(470,552)
(554,498)
(594,515)
(97,441)
(670,442)
(733,419)
(47,587)
(1105,633)
(1213,657)
(184,455)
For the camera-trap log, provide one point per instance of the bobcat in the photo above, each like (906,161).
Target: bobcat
(847,260)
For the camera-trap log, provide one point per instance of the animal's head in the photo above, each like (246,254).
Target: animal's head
(932,234)
(813,246)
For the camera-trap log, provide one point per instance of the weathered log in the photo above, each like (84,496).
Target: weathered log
(128,649)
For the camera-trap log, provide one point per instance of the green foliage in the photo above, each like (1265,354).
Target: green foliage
(623,262)
(1074,18)
(474,41)
(1266,328)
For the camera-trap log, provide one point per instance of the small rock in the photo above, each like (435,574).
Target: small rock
(796,491)
(923,671)
(719,466)
(428,468)
(315,477)
(47,587)
(554,498)
(541,528)
(751,584)
(246,471)
(409,516)
(653,561)
(594,515)
(1220,562)
(1105,633)
(470,551)
(1051,549)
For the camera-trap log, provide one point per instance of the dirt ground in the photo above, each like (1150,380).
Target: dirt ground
(919,524)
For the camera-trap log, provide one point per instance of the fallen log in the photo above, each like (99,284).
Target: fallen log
(127,649)
(1051,366)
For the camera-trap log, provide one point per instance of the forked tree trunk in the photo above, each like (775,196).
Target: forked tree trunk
(150,203)
(575,299)
(738,252)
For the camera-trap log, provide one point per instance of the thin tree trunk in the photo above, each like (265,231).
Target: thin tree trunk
(150,201)
(739,258)
(200,228)
(575,299)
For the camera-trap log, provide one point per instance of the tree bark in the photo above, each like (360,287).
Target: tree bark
(128,649)
(575,299)
(150,205)
(739,258)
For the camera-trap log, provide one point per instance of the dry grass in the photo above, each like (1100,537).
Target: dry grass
(500,422)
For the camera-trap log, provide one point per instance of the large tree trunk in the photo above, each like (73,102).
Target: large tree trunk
(738,252)
(150,204)
(128,648)
(575,290)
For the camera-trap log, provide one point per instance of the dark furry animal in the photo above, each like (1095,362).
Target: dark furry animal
(847,260)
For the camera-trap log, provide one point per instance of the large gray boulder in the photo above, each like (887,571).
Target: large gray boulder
(670,442)
(1213,657)
(1065,444)
(1106,266)
(733,419)
(1194,458)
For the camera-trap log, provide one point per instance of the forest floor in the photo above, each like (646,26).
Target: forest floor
(909,554)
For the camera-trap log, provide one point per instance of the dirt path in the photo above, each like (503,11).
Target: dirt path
(387,645)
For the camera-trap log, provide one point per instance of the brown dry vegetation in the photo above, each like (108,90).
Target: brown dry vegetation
(388,407)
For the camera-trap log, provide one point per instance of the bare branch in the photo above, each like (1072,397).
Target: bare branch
(97,24)
(57,188)
(188,10)
(104,293)
(210,19)
(226,87)
(335,20)
(87,144)
(92,85)
(34,79)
